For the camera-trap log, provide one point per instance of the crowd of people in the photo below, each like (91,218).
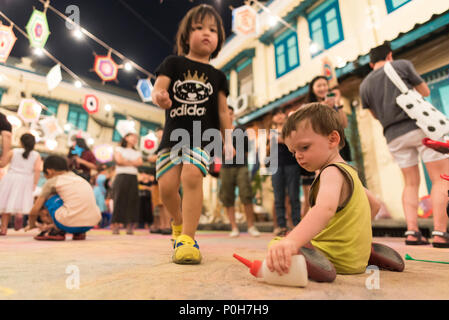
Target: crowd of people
(334,216)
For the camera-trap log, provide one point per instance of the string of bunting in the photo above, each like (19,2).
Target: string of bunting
(30,110)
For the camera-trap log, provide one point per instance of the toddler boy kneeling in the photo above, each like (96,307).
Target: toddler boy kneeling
(70,201)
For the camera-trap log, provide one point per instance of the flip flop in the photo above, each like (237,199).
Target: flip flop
(442,234)
(385,258)
(417,234)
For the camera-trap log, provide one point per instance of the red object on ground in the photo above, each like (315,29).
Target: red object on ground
(254,266)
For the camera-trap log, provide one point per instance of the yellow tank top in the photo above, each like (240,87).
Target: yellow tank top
(346,240)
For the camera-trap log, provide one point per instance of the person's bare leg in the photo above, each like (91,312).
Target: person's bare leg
(5,221)
(439,195)
(165,218)
(230,211)
(192,200)
(410,198)
(169,192)
(249,212)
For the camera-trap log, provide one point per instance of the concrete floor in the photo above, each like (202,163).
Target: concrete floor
(139,267)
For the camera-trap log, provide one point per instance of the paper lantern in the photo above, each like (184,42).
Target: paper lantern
(105,68)
(37,29)
(50,127)
(104,153)
(54,77)
(144,88)
(90,103)
(245,21)
(29,110)
(7,40)
(124,127)
(149,143)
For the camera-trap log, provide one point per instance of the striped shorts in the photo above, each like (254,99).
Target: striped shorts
(168,158)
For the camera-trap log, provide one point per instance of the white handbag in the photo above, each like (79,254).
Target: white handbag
(428,118)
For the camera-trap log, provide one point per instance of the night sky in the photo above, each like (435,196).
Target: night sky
(142,30)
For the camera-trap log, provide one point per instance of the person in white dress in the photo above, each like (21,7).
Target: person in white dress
(16,187)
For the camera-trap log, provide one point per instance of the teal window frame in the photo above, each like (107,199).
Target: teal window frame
(145,126)
(116,137)
(392,6)
(286,53)
(78,117)
(52,105)
(2,90)
(319,23)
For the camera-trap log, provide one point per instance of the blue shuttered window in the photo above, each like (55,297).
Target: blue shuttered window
(52,106)
(146,126)
(395,4)
(116,137)
(78,117)
(326,29)
(286,53)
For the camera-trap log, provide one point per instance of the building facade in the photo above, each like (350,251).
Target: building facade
(273,68)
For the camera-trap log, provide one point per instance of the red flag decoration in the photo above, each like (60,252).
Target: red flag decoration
(106,68)
(90,103)
(7,40)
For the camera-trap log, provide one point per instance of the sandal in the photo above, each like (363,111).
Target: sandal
(3,232)
(417,234)
(442,234)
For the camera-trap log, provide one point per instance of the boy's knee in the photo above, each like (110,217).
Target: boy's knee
(191,176)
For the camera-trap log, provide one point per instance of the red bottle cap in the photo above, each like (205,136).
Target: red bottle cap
(254,266)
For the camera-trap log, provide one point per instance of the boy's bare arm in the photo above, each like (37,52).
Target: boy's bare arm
(34,213)
(225,125)
(160,94)
(327,201)
(317,218)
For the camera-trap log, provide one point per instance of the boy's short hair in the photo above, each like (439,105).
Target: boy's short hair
(57,163)
(196,14)
(323,120)
(380,53)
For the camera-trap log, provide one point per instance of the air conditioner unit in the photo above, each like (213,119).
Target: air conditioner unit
(243,103)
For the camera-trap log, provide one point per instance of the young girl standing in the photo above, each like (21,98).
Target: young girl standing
(193,93)
(16,187)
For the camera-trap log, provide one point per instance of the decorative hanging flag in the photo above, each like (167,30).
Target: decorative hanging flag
(37,29)
(29,110)
(245,21)
(104,153)
(50,127)
(329,72)
(149,143)
(124,127)
(106,68)
(54,77)
(90,103)
(144,88)
(7,40)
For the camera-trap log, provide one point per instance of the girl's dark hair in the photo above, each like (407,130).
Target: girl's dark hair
(80,142)
(56,163)
(28,141)
(311,96)
(197,14)
(123,142)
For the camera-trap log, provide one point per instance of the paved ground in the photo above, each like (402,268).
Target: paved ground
(139,267)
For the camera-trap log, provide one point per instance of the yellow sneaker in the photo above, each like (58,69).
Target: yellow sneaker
(186,251)
(176,231)
(274,240)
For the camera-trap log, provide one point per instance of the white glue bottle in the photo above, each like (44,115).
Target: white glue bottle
(296,277)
